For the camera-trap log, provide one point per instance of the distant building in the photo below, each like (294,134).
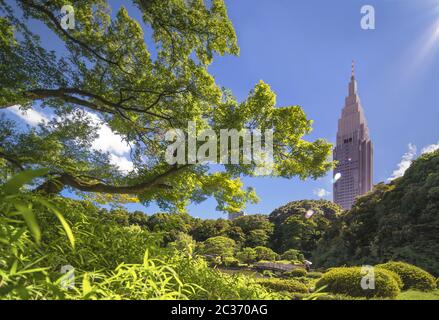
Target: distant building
(234,215)
(353,175)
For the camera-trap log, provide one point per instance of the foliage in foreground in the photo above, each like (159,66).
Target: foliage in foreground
(347,281)
(413,277)
(110,261)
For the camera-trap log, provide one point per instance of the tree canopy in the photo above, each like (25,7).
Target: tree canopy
(301,224)
(140,84)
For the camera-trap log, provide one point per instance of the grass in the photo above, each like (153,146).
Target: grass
(418,295)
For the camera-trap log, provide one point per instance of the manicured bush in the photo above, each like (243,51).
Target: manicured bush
(348,281)
(292,254)
(218,246)
(395,276)
(247,255)
(298,272)
(263,253)
(278,285)
(230,262)
(412,277)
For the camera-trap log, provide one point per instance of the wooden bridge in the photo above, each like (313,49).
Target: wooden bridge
(276,266)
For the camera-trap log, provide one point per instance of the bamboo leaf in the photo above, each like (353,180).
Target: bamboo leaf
(31,220)
(13,185)
(86,286)
(63,221)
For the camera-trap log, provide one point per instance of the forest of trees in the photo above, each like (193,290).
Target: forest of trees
(283,235)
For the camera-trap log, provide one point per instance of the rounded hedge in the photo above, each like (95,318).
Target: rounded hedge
(230,262)
(289,285)
(347,280)
(413,277)
(395,276)
(298,272)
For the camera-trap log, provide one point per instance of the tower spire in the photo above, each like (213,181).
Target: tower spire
(353,82)
(353,69)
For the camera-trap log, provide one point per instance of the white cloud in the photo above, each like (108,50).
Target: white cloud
(405,162)
(408,158)
(107,140)
(123,163)
(430,148)
(31,116)
(321,193)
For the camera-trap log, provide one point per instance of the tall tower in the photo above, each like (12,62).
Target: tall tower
(353,175)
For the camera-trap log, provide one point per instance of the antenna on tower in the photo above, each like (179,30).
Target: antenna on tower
(353,69)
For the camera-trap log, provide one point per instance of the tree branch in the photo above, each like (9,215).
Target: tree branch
(52,18)
(64,94)
(65,179)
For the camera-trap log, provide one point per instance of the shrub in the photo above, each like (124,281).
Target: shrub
(347,280)
(298,272)
(247,255)
(218,246)
(263,253)
(278,285)
(292,254)
(395,276)
(212,284)
(412,277)
(230,262)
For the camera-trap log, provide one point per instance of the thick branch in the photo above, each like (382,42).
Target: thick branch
(56,185)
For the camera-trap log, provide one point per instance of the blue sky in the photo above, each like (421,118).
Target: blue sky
(303,50)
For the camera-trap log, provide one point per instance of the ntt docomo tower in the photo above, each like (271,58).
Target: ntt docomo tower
(353,175)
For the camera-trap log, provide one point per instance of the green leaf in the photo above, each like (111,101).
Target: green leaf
(14,184)
(31,220)
(146,257)
(61,218)
(86,286)
(14,267)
